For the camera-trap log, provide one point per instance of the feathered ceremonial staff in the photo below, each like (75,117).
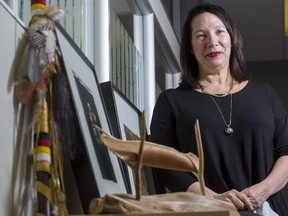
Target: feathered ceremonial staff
(34,88)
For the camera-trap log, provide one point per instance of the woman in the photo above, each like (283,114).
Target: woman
(243,124)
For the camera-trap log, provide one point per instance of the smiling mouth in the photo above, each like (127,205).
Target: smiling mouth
(213,54)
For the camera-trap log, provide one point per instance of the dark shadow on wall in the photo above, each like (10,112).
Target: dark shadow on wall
(273,72)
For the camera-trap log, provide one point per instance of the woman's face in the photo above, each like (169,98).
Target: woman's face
(211,43)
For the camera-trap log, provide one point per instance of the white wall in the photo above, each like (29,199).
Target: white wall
(10,35)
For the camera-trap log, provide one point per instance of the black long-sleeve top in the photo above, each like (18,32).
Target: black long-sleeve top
(238,161)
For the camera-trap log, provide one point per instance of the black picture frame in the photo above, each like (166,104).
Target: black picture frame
(100,172)
(125,119)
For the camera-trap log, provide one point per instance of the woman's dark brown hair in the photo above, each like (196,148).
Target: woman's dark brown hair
(190,68)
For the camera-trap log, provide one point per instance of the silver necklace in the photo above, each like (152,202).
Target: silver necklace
(228,130)
(220,95)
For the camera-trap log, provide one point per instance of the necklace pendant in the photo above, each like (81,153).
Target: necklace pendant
(228,131)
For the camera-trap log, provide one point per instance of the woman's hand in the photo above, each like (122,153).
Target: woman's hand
(274,182)
(256,194)
(240,200)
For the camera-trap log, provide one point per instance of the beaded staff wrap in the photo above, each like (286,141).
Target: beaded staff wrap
(42,162)
(38,7)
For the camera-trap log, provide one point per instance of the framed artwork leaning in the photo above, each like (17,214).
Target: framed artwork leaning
(105,169)
(125,120)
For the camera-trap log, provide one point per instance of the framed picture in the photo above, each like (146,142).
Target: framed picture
(125,120)
(107,173)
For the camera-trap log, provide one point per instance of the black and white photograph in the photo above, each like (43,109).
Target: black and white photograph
(90,110)
(127,126)
(92,119)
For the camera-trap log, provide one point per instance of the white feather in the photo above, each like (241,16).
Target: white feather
(54,13)
(50,47)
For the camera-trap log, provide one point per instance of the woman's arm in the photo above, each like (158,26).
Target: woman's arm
(274,182)
(253,197)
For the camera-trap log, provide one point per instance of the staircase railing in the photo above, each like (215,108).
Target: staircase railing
(79,21)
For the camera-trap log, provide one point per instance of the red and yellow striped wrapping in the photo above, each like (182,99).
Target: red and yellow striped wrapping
(38,7)
(42,163)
